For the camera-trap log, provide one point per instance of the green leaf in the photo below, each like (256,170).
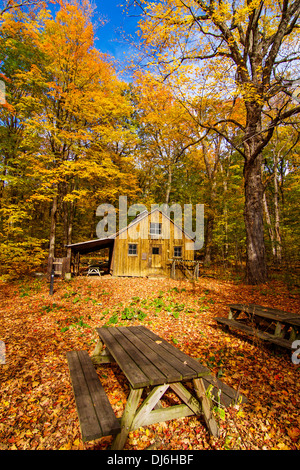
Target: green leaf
(220,412)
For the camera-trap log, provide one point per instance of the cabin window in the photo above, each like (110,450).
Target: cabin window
(155,250)
(132,249)
(155,228)
(177,251)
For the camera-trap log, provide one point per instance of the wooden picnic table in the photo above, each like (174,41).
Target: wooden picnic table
(94,269)
(152,366)
(270,324)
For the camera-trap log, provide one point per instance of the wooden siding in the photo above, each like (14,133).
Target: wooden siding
(145,262)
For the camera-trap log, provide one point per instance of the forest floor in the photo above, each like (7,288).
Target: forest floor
(37,407)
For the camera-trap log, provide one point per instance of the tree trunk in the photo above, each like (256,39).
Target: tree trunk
(211,170)
(277,213)
(68,225)
(225,178)
(53,228)
(210,223)
(169,184)
(208,239)
(256,269)
(269,224)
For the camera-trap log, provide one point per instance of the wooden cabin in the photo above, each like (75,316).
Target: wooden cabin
(151,245)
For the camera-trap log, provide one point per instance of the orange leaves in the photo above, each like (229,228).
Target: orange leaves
(37,408)
(73,114)
(294,433)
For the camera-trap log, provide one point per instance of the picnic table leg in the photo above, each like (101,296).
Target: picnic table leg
(233,314)
(206,407)
(127,418)
(280,330)
(101,355)
(294,334)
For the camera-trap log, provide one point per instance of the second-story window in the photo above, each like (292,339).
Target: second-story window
(155,228)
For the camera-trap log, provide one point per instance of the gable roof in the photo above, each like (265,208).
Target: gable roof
(145,214)
(93,245)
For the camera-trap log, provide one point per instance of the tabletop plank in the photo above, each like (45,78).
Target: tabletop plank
(143,344)
(188,366)
(134,375)
(129,344)
(146,359)
(180,365)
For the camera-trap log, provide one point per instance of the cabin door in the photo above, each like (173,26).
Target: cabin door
(156,256)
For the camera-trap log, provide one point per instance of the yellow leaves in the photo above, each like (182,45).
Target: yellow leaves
(67,446)
(243,11)
(75,111)
(250,93)
(281,446)
(222,13)
(75,195)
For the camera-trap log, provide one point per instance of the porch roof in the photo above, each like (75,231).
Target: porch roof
(91,245)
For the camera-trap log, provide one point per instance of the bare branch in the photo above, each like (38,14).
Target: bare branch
(11,5)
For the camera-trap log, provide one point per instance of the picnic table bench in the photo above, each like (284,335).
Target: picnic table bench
(269,324)
(97,418)
(152,366)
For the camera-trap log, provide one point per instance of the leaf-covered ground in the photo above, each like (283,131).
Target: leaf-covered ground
(37,408)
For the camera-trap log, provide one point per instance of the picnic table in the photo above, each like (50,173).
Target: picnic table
(152,366)
(276,326)
(94,269)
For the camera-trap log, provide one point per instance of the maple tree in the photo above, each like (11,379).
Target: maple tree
(84,103)
(246,50)
(73,114)
(165,137)
(21,245)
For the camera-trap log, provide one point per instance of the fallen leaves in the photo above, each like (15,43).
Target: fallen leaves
(37,408)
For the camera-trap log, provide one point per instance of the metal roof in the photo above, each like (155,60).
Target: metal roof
(91,245)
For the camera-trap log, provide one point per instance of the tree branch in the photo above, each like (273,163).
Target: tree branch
(10,4)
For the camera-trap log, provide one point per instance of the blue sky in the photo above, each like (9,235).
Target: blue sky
(109,37)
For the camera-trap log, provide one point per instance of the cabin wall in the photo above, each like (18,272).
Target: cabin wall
(153,252)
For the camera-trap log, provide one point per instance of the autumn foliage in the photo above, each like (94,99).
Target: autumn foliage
(74,135)
(209,115)
(66,139)
(37,404)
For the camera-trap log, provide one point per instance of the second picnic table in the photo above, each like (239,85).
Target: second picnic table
(153,365)
(269,324)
